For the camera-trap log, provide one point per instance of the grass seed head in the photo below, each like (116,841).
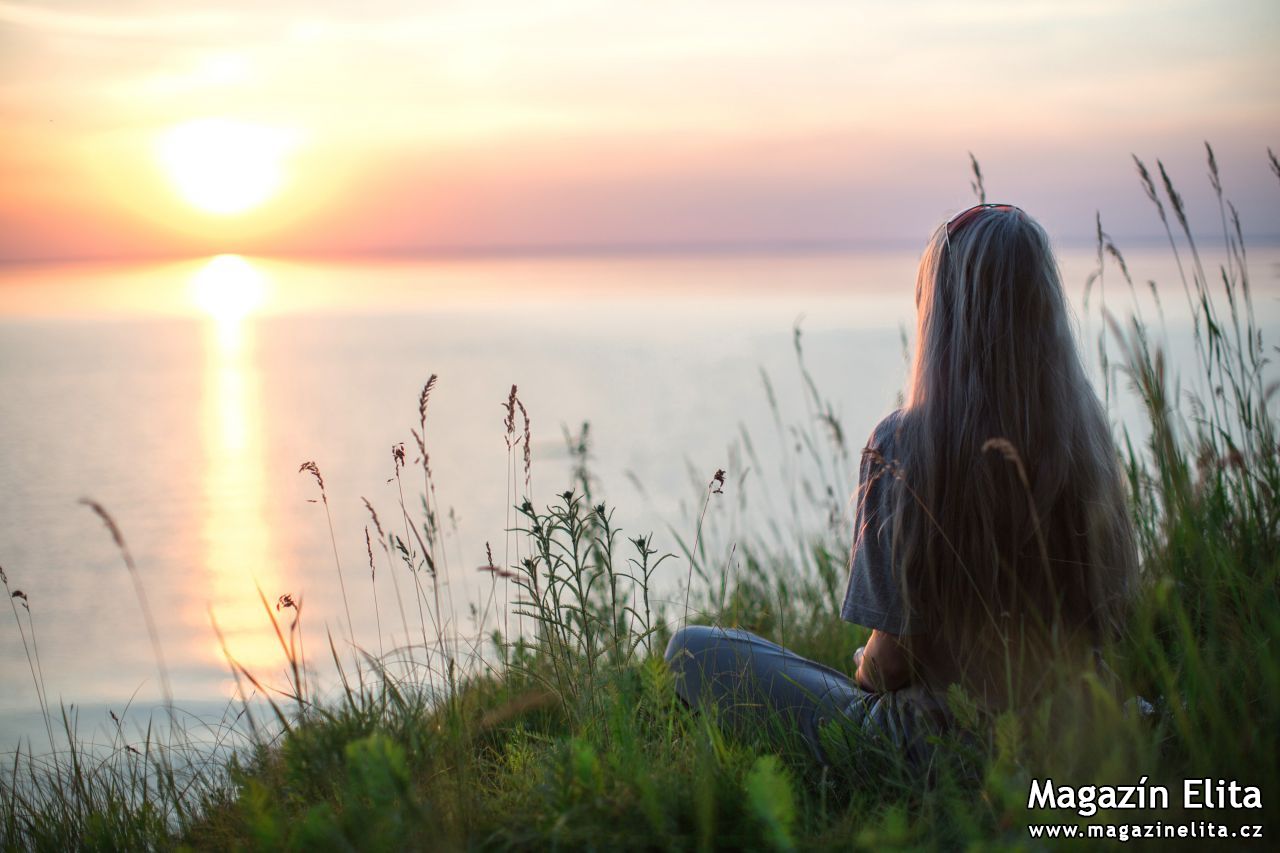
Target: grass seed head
(509,422)
(314,470)
(110,522)
(423,399)
(377,525)
(528,438)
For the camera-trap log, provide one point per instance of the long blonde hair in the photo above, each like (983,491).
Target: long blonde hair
(1010,509)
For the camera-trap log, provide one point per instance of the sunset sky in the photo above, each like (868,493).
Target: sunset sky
(140,128)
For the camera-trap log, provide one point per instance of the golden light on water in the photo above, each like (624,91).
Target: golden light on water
(228,288)
(238,545)
(225,167)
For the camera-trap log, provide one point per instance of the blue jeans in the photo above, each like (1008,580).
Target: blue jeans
(749,681)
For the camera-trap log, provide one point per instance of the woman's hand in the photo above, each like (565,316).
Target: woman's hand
(883,664)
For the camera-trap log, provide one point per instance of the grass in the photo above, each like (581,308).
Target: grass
(560,728)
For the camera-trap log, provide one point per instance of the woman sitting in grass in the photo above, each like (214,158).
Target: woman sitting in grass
(991,537)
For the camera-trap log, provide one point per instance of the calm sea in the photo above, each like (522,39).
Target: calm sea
(184,397)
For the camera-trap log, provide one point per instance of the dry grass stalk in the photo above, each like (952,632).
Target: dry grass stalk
(395,583)
(373,582)
(141,593)
(979,189)
(528,439)
(432,510)
(32,651)
(714,487)
(423,399)
(527,703)
(1010,453)
(509,422)
(314,470)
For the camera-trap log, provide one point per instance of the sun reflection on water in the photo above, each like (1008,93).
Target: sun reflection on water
(228,288)
(239,549)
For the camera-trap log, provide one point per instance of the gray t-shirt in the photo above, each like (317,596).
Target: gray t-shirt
(874,597)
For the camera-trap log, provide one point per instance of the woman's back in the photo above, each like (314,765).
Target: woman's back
(991,533)
(992,505)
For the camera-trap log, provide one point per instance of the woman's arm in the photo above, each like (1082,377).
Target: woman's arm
(884,663)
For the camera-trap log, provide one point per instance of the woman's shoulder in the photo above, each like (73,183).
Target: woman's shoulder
(884,436)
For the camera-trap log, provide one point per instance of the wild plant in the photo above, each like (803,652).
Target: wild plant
(580,598)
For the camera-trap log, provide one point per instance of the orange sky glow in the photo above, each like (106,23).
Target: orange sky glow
(148,129)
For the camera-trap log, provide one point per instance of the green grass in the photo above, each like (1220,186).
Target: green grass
(570,735)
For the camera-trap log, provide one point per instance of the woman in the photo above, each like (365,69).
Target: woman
(991,533)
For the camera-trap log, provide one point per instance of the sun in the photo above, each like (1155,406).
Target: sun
(222,166)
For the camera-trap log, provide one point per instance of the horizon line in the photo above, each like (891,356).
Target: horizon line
(726,248)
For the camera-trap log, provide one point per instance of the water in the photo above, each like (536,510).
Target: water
(185,396)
